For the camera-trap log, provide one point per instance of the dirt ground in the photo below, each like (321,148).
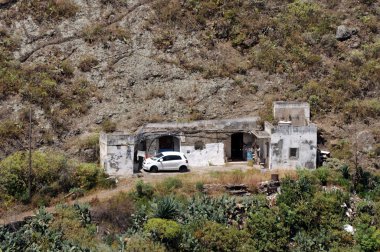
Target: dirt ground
(124,185)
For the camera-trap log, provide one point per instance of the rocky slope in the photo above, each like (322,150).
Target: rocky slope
(82,64)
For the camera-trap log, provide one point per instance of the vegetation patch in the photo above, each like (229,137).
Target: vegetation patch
(49,10)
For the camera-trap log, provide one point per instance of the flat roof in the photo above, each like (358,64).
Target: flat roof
(200,122)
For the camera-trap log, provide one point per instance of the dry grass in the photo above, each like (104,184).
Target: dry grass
(87,63)
(250,178)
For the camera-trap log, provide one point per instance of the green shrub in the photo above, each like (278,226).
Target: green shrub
(269,57)
(363,109)
(368,238)
(76,193)
(144,190)
(45,170)
(137,243)
(268,230)
(294,191)
(199,186)
(74,222)
(217,237)
(43,10)
(345,170)
(108,126)
(11,130)
(86,175)
(323,175)
(341,150)
(170,184)
(166,207)
(89,142)
(36,235)
(167,231)
(67,69)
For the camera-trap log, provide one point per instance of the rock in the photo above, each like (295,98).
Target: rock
(89,155)
(348,228)
(3,2)
(365,141)
(343,32)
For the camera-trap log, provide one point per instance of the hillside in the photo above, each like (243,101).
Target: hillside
(87,65)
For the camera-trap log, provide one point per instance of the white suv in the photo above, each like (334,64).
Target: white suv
(168,160)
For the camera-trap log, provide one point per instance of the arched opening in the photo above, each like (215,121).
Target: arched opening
(168,143)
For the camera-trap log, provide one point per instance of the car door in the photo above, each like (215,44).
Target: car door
(170,162)
(176,161)
(166,163)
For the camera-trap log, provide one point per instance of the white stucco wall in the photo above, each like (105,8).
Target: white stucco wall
(212,154)
(285,137)
(102,149)
(117,153)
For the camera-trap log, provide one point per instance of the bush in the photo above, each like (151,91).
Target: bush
(137,243)
(74,222)
(268,230)
(115,212)
(217,237)
(36,235)
(144,190)
(345,170)
(368,237)
(87,63)
(45,170)
(87,175)
(167,231)
(100,33)
(362,109)
(169,185)
(294,191)
(199,186)
(52,174)
(166,208)
(323,175)
(43,10)
(10,130)
(108,126)
(269,57)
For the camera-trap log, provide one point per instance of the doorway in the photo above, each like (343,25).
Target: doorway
(237,147)
(168,143)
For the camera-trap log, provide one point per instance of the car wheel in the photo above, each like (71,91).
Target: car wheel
(183,168)
(153,169)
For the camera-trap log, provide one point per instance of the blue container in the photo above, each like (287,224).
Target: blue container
(249,155)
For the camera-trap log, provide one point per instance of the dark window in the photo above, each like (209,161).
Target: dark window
(199,145)
(293,153)
(171,157)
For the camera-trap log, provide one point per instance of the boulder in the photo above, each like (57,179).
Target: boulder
(4,1)
(343,32)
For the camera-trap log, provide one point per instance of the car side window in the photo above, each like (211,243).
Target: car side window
(176,158)
(172,157)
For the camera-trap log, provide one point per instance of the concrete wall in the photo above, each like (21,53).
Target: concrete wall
(117,154)
(247,123)
(296,112)
(212,154)
(103,149)
(285,137)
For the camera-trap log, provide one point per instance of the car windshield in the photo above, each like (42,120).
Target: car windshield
(158,156)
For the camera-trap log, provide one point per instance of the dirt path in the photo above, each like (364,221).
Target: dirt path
(123,185)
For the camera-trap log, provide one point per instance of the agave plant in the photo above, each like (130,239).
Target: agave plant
(166,208)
